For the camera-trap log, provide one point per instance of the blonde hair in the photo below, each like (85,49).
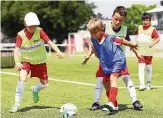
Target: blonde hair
(95,25)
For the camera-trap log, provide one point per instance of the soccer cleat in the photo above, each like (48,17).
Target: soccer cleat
(14,108)
(106,109)
(95,106)
(142,88)
(148,86)
(35,95)
(137,105)
(110,106)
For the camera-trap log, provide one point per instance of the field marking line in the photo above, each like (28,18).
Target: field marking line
(73,82)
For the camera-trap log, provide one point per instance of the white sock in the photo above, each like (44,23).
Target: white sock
(141,73)
(39,86)
(98,89)
(19,92)
(149,72)
(130,87)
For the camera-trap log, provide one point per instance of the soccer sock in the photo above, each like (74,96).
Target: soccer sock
(116,103)
(141,73)
(130,87)
(98,89)
(39,86)
(19,92)
(113,94)
(149,72)
(107,93)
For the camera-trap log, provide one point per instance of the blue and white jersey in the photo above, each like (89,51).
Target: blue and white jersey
(111,56)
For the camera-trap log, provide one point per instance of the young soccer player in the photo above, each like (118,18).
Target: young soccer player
(111,56)
(30,56)
(117,28)
(147,37)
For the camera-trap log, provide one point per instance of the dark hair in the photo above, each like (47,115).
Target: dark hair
(146,16)
(121,10)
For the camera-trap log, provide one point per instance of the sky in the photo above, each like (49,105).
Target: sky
(106,7)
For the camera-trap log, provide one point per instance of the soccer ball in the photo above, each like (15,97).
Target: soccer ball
(68,110)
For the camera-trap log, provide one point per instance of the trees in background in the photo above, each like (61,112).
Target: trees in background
(57,18)
(134,14)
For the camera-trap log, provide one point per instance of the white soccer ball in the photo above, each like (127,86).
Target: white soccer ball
(68,110)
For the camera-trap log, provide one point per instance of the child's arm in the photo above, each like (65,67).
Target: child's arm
(55,48)
(137,53)
(18,65)
(133,48)
(155,41)
(86,58)
(127,43)
(91,51)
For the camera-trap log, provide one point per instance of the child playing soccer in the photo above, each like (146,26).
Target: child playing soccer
(30,56)
(117,28)
(111,56)
(147,37)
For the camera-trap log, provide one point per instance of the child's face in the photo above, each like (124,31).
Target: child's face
(31,29)
(96,34)
(146,22)
(117,20)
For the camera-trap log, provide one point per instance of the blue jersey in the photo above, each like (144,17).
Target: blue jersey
(111,56)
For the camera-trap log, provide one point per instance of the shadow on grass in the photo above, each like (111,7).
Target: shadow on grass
(36,107)
(122,107)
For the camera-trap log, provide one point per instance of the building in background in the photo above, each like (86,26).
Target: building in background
(157,18)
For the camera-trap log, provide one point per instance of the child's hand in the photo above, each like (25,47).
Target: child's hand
(60,55)
(139,56)
(136,45)
(150,46)
(86,58)
(18,66)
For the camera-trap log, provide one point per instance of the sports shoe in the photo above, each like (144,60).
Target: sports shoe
(35,95)
(14,108)
(95,106)
(106,109)
(148,85)
(110,106)
(142,88)
(137,105)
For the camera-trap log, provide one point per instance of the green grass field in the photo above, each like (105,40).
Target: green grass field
(82,96)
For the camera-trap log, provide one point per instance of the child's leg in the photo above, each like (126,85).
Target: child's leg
(149,71)
(19,90)
(107,88)
(40,71)
(129,84)
(41,85)
(130,87)
(141,75)
(99,84)
(113,87)
(20,86)
(111,92)
(98,89)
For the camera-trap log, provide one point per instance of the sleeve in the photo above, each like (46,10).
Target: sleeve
(44,36)
(18,41)
(118,41)
(127,36)
(155,34)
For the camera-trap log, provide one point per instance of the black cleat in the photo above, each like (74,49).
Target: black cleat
(95,106)
(137,105)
